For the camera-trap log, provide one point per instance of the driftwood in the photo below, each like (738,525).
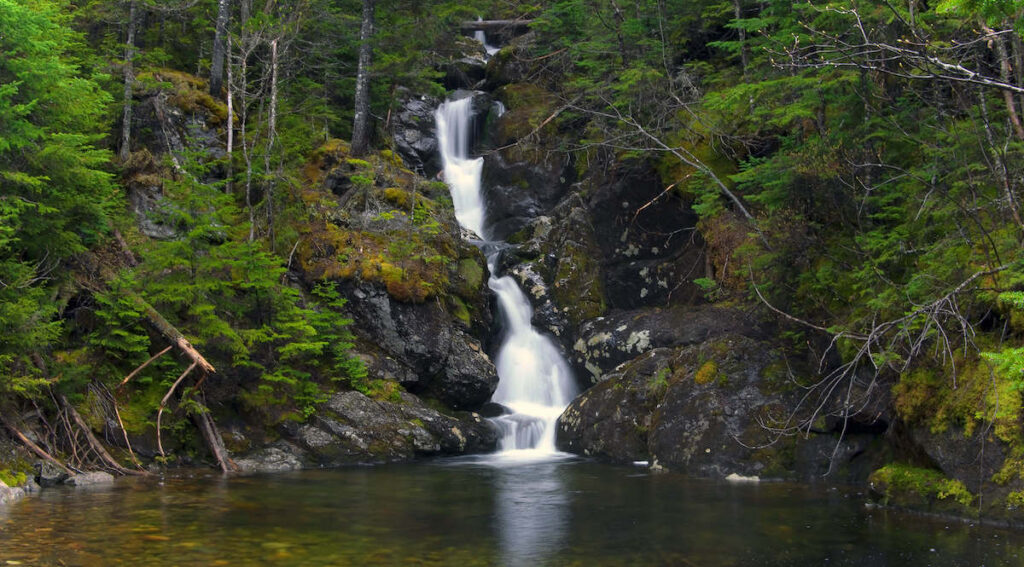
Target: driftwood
(214,441)
(94,443)
(495,25)
(163,404)
(32,446)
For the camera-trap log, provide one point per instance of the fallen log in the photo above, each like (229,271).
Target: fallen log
(33,447)
(214,441)
(174,335)
(495,25)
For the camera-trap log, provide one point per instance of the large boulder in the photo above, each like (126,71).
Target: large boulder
(415,133)
(352,428)
(467,68)
(426,349)
(606,342)
(713,409)
(87,479)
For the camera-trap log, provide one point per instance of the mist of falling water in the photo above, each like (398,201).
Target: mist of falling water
(535,381)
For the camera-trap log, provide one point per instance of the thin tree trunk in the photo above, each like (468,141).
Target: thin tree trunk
(1005,76)
(129,78)
(271,135)
(33,447)
(174,335)
(361,123)
(744,52)
(231,122)
(219,45)
(1002,171)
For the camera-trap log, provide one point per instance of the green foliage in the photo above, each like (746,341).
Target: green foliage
(900,482)
(55,194)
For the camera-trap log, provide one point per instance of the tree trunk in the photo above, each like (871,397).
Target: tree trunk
(744,52)
(129,78)
(231,124)
(361,124)
(1006,76)
(271,135)
(219,44)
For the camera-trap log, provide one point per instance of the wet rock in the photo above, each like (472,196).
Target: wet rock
(352,428)
(279,457)
(94,478)
(650,248)
(557,264)
(429,352)
(49,474)
(608,341)
(9,494)
(707,409)
(468,67)
(415,133)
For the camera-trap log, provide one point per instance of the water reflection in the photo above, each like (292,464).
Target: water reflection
(532,513)
(491,511)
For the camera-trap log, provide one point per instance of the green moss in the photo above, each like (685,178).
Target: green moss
(707,373)
(471,273)
(459,309)
(13,478)
(905,485)
(1015,499)
(982,395)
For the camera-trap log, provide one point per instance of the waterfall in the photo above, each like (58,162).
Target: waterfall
(480,36)
(535,382)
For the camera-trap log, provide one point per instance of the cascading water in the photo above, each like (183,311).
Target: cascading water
(480,36)
(535,381)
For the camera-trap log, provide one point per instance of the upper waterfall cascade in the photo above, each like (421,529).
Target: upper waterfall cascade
(535,381)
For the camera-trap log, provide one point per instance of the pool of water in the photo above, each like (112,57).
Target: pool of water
(467,512)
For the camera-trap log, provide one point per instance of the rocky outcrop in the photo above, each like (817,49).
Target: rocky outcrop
(423,347)
(606,342)
(650,248)
(352,428)
(709,409)
(415,133)
(94,478)
(467,69)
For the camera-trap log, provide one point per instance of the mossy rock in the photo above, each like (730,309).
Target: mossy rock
(921,489)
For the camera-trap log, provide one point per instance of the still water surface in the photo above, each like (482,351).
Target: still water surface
(464,513)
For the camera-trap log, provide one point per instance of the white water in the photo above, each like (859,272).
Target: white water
(535,382)
(480,36)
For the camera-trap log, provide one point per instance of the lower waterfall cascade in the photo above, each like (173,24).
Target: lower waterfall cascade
(535,381)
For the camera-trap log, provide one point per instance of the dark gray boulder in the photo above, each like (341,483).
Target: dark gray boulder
(415,134)
(49,474)
(352,428)
(93,478)
(711,409)
(427,350)
(650,248)
(606,342)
